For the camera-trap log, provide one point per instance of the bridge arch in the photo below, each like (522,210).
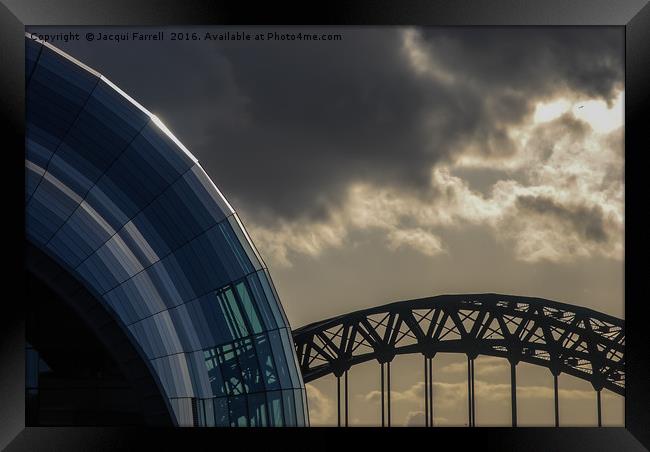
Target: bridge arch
(564,338)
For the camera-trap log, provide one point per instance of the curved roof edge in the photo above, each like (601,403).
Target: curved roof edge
(158,123)
(459,297)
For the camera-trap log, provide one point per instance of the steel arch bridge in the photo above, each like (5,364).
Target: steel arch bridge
(578,341)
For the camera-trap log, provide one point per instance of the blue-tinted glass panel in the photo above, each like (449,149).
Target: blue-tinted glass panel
(123,306)
(222,252)
(183,410)
(262,277)
(53,202)
(39,145)
(185,329)
(208,409)
(158,331)
(207,315)
(300,414)
(100,133)
(207,193)
(280,359)
(248,306)
(57,92)
(274,404)
(267,364)
(200,413)
(146,237)
(229,365)
(289,407)
(199,265)
(101,199)
(261,302)
(33,174)
(271,287)
(171,281)
(242,237)
(221,412)
(174,217)
(174,375)
(96,272)
(257,410)
(238,411)
(231,312)
(136,237)
(214,372)
(290,353)
(236,248)
(76,178)
(163,154)
(249,365)
(83,233)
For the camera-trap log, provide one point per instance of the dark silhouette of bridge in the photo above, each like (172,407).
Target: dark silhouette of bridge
(581,342)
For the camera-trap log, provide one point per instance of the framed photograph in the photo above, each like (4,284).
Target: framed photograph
(370,219)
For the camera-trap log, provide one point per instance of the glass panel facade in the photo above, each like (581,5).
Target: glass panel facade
(114,198)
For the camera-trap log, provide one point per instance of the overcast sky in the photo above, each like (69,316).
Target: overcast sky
(400,163)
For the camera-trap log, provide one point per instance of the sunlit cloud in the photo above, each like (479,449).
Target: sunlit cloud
(309,239)
(560,197)
(487,365)
(548,111)
(422,60)
(321,407)
(413,394)
(415,419)
(567,203)
(418,239)
(450,395)
(602,118)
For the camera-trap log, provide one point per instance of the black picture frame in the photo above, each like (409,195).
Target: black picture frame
(633,15)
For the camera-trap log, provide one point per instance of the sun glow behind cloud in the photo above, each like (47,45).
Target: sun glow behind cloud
(545,112)
(555,157)
(595,112)
(567,204)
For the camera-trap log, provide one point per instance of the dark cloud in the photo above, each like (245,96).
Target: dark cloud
(535,61)
(615,172)
(587,222)
(566,128)
(285,128)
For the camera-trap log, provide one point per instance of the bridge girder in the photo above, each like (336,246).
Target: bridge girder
(564,338)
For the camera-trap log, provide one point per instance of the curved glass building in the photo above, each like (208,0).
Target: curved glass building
(125,225)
